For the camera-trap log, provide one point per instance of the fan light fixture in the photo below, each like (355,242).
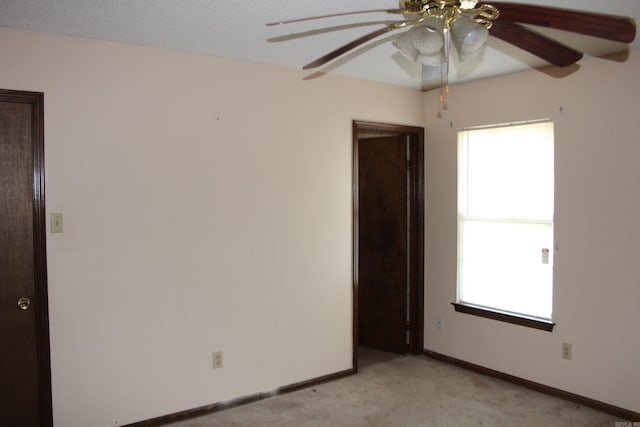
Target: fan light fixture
(440,24)
(423,43)
(427,38)
(469,37)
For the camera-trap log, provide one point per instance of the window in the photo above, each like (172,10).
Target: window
(505,220)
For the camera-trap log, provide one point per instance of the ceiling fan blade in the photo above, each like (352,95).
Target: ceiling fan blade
(610,27)
(355,43)
(539,45)
(333,15)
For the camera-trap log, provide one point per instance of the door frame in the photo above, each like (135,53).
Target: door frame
(36,100)
(416,224)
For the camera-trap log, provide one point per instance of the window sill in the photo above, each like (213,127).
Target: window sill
(502,316)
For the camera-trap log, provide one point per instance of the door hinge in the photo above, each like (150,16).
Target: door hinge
(408,164)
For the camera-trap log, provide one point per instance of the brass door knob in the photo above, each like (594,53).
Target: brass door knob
(24,303)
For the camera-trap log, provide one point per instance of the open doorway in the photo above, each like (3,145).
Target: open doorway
(388,238)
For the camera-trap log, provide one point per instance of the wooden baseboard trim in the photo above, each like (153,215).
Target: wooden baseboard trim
(221,406)
(624,414)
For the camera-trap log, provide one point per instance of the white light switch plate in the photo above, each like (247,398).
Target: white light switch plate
(56,223)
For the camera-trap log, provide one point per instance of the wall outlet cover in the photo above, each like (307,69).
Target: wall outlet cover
(217,360)
(566,351)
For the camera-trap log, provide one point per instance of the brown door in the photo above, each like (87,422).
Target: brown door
(383,266)
(25,396)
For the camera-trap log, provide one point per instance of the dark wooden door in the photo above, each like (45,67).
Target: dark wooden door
(24,368)
(383,257)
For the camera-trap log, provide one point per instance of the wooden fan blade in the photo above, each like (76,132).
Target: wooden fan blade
(610,27)
(353,44)
(333,15)
(539,45)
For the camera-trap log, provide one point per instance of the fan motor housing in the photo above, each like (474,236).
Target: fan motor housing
(421,5)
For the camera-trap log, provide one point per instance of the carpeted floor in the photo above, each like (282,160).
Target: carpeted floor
(407,391)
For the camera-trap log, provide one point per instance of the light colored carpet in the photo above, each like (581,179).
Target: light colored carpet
(407,391)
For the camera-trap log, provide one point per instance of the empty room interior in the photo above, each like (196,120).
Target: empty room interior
(201,228)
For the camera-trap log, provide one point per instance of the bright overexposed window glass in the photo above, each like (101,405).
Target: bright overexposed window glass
(505,218)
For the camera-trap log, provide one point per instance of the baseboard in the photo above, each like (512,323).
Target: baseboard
(624,414)
(221,406)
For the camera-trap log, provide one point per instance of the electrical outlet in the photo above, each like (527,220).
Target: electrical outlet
(566,351)
(439,323)
(217,360)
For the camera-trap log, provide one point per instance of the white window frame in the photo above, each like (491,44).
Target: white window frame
(524,319)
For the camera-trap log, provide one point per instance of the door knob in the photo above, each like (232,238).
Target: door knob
(24,303)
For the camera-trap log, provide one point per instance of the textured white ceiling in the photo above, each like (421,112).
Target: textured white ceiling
(236,29)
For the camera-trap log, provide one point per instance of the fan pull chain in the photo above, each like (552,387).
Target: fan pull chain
(444,70)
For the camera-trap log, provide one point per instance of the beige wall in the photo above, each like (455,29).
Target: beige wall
(597,273)
(207,206)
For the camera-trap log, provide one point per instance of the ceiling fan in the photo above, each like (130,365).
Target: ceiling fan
(433,26)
